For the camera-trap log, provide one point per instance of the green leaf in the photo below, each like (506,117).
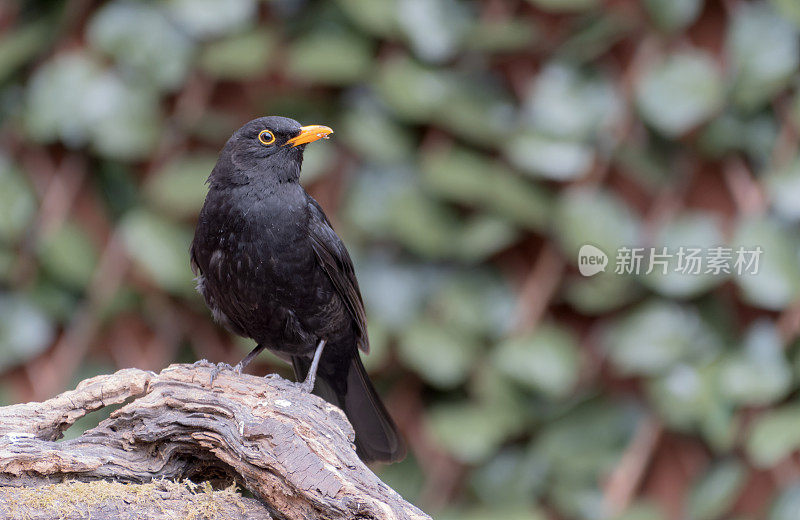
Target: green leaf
(760,374)
(657,335)
(512,476)
(490,387)
(777,280)
(684,395)
(763,53)
(143,42)
(412,91)
(470,178)
(648,165)
(679,93)
(754,134)
(17,203)
(475,301)
(406,477)
(550,158)
(574,456)
(56,107)
(57,302)
(774,436)
(19,46)
(434,29)
(482,236)
(423,225)
(783,187)
(789,9)
(594,35)
(394,291)
(179,187)
(579,499)
(210,18)
(69,255)
(471,433)
(63,105)
(673,15)
(601,293)
(25,331)
(716,491)
(442,356)
(685,231)
(129,126)
(372,198)
(786,504)
(502,35)
(545,360)
(159,248)
(334,58)
(480,114)
(239,56)
(374,135)
(596,217)
(567,104)
(377,17)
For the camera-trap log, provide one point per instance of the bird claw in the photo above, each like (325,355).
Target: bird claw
(219,367)
(307,386)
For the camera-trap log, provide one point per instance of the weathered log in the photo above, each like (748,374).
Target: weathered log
(291,450)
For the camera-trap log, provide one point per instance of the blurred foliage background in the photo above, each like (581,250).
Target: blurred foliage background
(478,144)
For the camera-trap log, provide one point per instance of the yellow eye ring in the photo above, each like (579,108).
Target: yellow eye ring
(266,137)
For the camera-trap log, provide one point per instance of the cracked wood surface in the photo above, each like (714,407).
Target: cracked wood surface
(292,450)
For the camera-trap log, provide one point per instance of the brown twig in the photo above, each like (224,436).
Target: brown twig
(538,288)
(627,476)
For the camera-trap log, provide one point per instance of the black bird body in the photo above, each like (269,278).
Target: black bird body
(271,268)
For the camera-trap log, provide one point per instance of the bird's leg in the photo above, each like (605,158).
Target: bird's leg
(248,358)
(308,385)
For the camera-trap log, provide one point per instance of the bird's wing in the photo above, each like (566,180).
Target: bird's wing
(335,261)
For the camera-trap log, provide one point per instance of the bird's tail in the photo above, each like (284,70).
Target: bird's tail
(347,386)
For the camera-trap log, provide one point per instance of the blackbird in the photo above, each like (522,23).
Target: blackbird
(271,268)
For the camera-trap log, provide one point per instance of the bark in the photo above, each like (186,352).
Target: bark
(291,450)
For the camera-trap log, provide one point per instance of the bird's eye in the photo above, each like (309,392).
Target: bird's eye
(266,137)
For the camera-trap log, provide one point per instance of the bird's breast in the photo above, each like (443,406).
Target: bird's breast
(257,237)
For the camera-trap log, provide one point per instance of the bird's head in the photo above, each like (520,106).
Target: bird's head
(268,146)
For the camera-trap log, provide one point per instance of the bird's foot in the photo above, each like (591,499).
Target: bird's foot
(307,386)
(219,367)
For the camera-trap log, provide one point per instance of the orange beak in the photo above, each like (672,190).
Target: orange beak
(309,134)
